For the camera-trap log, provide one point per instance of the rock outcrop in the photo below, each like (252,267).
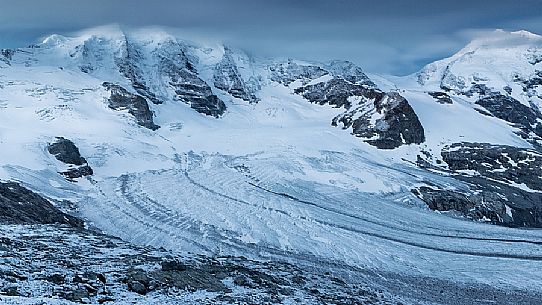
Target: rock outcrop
(385,120)
(121,99)
(158,70)
(502,163)
(195,92)
(503,184)
(18,205)
(397,125)
(478,207)
(511,110)
(441,97)
(183,79)
(350,72)
(532,83)
(128,65)
(66,152)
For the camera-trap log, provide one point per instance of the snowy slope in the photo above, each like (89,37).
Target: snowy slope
(244,164)
(496,61)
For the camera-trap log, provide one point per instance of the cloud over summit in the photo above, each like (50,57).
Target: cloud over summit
(385,36)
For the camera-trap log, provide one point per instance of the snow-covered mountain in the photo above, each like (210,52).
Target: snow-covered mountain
(204,149)
(501,73)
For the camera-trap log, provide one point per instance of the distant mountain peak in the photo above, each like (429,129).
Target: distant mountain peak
(501,39)
(496,58)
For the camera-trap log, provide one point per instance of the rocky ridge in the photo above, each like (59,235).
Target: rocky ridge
(171,76)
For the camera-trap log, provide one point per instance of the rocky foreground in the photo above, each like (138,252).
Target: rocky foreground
(49,257)
(58,264)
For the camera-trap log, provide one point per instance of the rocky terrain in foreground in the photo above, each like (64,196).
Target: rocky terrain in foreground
(57,264)
(58,261)
(48,255)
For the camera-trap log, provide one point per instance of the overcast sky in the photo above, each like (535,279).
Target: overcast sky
(383,36)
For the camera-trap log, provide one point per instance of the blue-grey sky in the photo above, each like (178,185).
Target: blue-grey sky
(383,36)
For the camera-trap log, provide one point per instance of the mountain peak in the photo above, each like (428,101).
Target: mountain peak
(501,39)
(112,32)
(501,56)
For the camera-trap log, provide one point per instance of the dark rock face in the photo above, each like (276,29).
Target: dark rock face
(479,89)
(188,86)
(289,72)
(534,57)
(19,205)
(195,92)
(173,265)
(397,123)
(449,81)
(511,110)
(474,207)
(487,201)
(137,105)
(507,89)
(522,208)
(142,282)
(497,162)
(78,172)
(7,53)
(65,151)
(441,97)
(445,200)
(227,77)
(530,84)
(349,87)
(504,184)
(337,92)
(78,294)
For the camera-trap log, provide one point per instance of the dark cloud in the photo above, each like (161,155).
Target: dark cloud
(383,36)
